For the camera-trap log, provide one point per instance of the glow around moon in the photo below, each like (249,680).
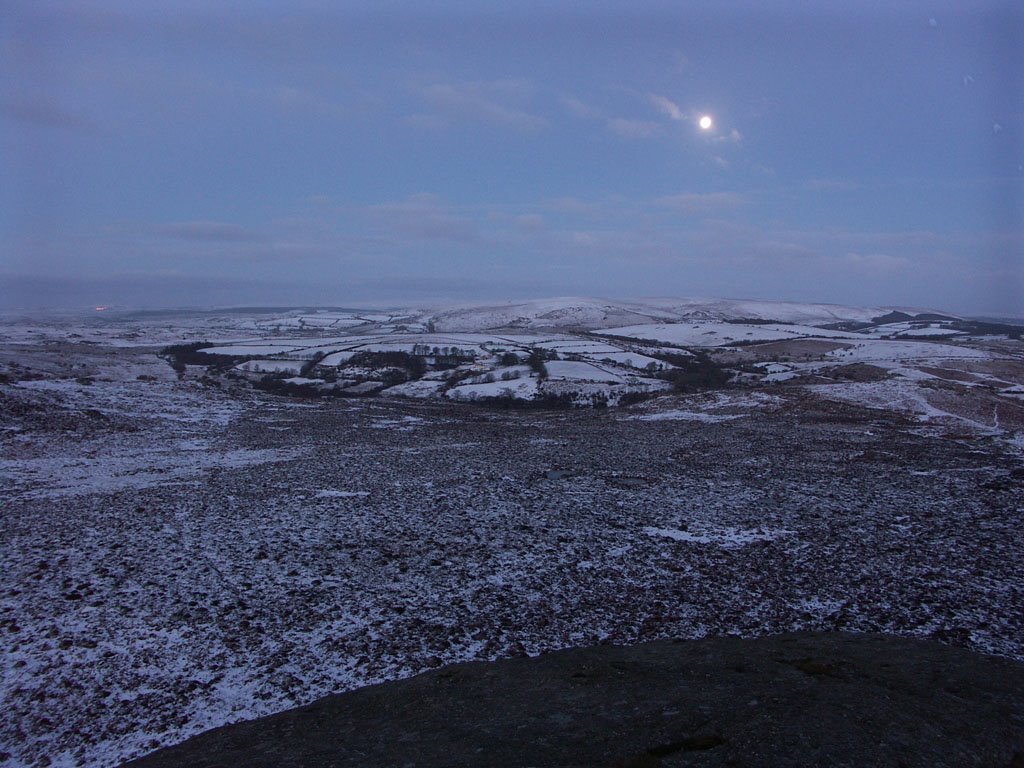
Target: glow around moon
(705,122)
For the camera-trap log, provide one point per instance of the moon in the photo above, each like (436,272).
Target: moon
(705,122)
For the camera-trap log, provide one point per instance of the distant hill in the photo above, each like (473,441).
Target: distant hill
(597,313)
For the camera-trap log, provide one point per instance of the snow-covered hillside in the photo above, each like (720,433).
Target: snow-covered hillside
(714,334)
(578,350)
(594,313)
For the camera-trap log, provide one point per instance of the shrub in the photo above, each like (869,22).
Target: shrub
(536,362)
(187,353)
(309,365)
(696,373)
(631,398)
(180,355)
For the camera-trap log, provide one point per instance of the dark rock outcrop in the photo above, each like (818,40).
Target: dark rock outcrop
(788,700)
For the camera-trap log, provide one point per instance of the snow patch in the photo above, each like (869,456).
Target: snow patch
(723,537)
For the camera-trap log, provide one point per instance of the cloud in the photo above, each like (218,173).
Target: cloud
(422,217)
(666,106)
(580,108)
(874,262)
(207,231)
(575,206)
(782,249)
(689,242)
(485,102)
(674,112)
(700,202)
(838,185)
(635,129)
(918,240)
(36,112)
(427,122)
(442,288)
(733,136)
(151,288)
(291,99)
(529,222)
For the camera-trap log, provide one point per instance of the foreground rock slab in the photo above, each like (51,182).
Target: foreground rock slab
(807,699)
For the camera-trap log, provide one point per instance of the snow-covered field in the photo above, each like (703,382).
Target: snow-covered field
(886,352)
(179,552)
(711,334)
(709,407)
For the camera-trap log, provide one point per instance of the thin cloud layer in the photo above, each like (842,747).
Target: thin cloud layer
(635,129)
(667,106)
(42,113)
(207,231)
(360,148)
(700,202)
(487,102)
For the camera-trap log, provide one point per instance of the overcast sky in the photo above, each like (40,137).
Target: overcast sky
(275,152)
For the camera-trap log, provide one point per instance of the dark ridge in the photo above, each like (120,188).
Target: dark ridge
(923,317)
(980,328)
(892,317)
(757,321)
(788,700)
(150,314)
(932,317)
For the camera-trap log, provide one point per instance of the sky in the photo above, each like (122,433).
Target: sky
(391,153)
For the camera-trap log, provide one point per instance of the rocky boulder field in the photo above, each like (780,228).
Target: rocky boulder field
(180,550)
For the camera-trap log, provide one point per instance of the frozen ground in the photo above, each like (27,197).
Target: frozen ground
(175,556)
